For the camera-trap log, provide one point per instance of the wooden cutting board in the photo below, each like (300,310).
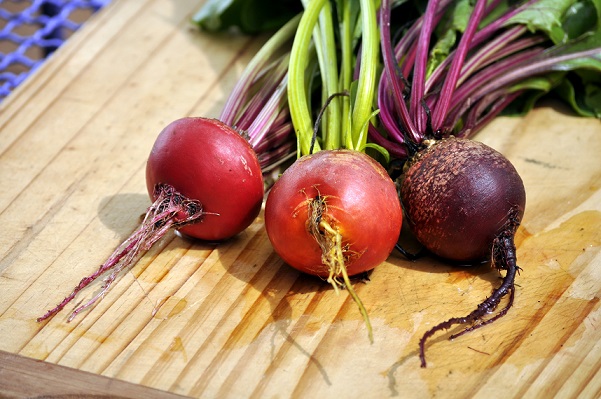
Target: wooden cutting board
(232,320)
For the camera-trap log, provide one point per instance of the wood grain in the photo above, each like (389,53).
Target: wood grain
(24,377)
(232,320)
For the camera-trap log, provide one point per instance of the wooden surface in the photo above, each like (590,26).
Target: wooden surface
(232,320)
(23,377)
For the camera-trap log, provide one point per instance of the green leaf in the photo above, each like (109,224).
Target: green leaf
(581,17)
(592,99)
(576,81)
(590,42)
(500,9)
(592,90)
(250,16)
(542,83)
(545,16)
(583,92)
(211,16)
(536,87)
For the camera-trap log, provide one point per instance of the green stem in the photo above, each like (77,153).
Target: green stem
(346,74)
(297,90)
(366,87)
(328,64)
(345,121)
(237,97)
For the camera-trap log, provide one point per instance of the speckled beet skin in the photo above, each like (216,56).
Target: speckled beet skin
(457,195)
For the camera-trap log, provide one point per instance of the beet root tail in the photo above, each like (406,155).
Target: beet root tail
(165,213)
(333,256)
(503,258)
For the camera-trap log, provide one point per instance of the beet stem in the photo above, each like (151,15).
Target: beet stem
(503,257)
(452,76)
(393,71)
(419,70)
(164,214)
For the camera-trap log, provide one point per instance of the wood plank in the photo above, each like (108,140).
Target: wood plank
(232,320)
(22,377)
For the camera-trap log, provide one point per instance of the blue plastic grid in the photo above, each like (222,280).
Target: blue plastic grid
(30,30)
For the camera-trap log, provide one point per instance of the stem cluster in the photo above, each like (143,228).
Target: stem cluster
(496,60)
(340,68)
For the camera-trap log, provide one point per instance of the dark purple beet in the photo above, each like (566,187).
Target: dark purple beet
(457,196)
(464,201)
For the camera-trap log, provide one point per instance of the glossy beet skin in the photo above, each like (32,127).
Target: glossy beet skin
(208,161)
(362,205)
(457,197)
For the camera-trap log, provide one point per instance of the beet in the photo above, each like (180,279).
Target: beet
(457,195)
(205,181)
(464,202)
(352,192)
(334,214)
(207,161)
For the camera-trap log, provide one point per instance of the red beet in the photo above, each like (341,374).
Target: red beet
(360,202)
(205,181)
(334,214)
(206,160)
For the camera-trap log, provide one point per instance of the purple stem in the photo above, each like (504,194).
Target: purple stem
(278,134)
(386,103)
(268,115)
(392,73)
(274,156)
(419,71)
(238,95)
(492,104)
(394,148)
(541,64)
(268,85)
(503,46)
(468,93)
(439,112)
(405,49)
(496,49)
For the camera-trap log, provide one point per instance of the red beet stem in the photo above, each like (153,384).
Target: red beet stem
(165,213)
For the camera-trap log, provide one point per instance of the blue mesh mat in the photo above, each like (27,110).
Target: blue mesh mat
(30,30)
